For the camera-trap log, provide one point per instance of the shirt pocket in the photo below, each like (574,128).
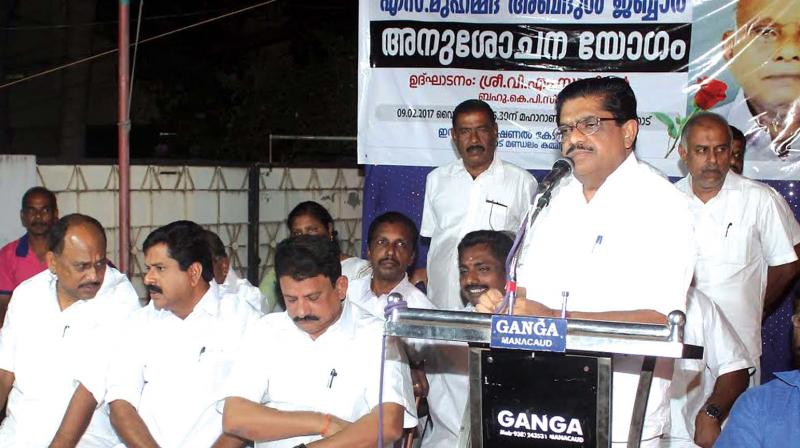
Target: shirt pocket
(737,245)
(498,214)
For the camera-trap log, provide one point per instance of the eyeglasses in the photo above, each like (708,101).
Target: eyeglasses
(587,126)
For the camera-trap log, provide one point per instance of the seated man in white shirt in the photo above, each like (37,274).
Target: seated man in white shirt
(703,391)
(311,375)
(55,335)
(391,247)
(226,278)
(481,267)
(168,372)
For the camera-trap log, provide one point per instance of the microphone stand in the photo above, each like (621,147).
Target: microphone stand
(512,261)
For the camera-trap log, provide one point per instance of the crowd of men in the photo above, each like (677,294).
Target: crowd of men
(209,362)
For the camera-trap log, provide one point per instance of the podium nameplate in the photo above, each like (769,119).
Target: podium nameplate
(529,333)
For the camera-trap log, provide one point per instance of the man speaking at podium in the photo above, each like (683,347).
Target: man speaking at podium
(615,243)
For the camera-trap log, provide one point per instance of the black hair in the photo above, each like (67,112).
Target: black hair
(307,256)
(473,106)
(737,134)
(316,211)
(38,190)
(618,97)
(55,239)
(499,243)
(394,218)
(215,245)
(700,117)
(186,243)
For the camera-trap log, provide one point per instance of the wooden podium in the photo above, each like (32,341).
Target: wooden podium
(537,398)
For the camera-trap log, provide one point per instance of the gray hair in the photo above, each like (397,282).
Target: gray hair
(700,118)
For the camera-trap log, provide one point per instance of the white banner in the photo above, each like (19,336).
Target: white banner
(419,58)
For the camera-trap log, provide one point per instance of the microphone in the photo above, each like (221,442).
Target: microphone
(561,168)
(395,301)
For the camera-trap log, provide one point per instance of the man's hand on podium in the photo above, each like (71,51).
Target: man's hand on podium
(491,299)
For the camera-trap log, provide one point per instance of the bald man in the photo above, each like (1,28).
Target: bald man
(54,344)
(742,234)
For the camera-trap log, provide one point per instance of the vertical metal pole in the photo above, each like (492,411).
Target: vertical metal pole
(123,129)
(254,187)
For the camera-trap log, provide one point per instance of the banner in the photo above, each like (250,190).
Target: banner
(419,58)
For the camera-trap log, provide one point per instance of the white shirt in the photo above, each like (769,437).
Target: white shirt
(630,248)
(759,142)
(355,268)
(50,351)
(280,366)
(791,221)
(172,370)
(243,290)
(693,380)
(455,204)
(740,233)
(445,363)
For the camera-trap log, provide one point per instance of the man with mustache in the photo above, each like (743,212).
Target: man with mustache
(763,54)
(615,243)
(482,264)
(56,342)
(26,257)
(310,375)
(391,247)
(391,243)
(476,191)
(742,233)
(168,372)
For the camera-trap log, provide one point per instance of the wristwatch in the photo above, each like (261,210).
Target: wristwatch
(713,411)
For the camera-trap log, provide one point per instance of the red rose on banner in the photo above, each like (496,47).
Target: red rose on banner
(711,92)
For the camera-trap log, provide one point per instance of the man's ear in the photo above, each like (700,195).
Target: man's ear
(195,272)
(341,287)
(728,41)
(630,130)
(682,152)
(226,265)
(51,261)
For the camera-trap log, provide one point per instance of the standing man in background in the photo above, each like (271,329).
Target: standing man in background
(478,191)
(25,257)
(741,231)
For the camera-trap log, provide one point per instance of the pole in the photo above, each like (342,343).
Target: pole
(123,130)
(253,191)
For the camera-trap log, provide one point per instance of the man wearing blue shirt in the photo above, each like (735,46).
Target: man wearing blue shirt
(765,416)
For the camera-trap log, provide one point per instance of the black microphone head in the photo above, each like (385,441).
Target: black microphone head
(561,168)
(395,297)
(565,163)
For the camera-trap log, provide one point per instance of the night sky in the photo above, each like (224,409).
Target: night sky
(214,92)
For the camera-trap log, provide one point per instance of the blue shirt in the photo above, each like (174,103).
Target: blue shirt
(766,416)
